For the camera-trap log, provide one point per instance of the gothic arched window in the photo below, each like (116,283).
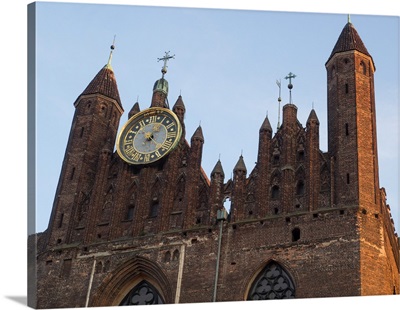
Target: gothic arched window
(154,208)
(167,257)
(129,212)
(363,67)
(275,192)
(142,294)
(300,188)
(272,283)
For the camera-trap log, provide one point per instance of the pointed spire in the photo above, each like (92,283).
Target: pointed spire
(104,83)
(135,109)
(179,104)
(313,117)
(266,125)
(179,108)
(218,169)
(240,166)
(198,135)
(349,40)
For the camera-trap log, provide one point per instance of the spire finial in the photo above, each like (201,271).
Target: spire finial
(290,76)
(165,59)
(112,47)
(278,82)
(348,18)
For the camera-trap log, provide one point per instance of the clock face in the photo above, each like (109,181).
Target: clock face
(149,136)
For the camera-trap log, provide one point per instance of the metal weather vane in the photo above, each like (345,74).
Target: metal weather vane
(112,47)
(278,82)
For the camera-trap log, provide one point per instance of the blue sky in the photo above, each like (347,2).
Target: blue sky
(226,66)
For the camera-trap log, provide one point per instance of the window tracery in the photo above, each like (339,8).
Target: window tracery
(142,294)
(272,283)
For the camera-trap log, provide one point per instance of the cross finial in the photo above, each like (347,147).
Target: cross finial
(165,59)
(290,76)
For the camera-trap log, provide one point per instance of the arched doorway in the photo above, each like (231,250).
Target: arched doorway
(137,281)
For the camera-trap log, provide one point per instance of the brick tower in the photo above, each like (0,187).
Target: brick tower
(91,141)
(351,121)
(352,145)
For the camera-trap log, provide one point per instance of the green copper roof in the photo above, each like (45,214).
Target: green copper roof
(161,85)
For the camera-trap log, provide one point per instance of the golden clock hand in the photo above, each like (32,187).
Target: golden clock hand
(158,145)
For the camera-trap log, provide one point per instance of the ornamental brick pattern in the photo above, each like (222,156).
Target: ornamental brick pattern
(303,223)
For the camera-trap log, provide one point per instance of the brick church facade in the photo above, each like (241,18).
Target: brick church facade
(302,223)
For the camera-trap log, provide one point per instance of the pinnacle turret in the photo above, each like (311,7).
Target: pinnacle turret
(179,104)
(266,125)
(312,117)
(218,169)
(240,165)
(198,135)
(135,109)
(179,108)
